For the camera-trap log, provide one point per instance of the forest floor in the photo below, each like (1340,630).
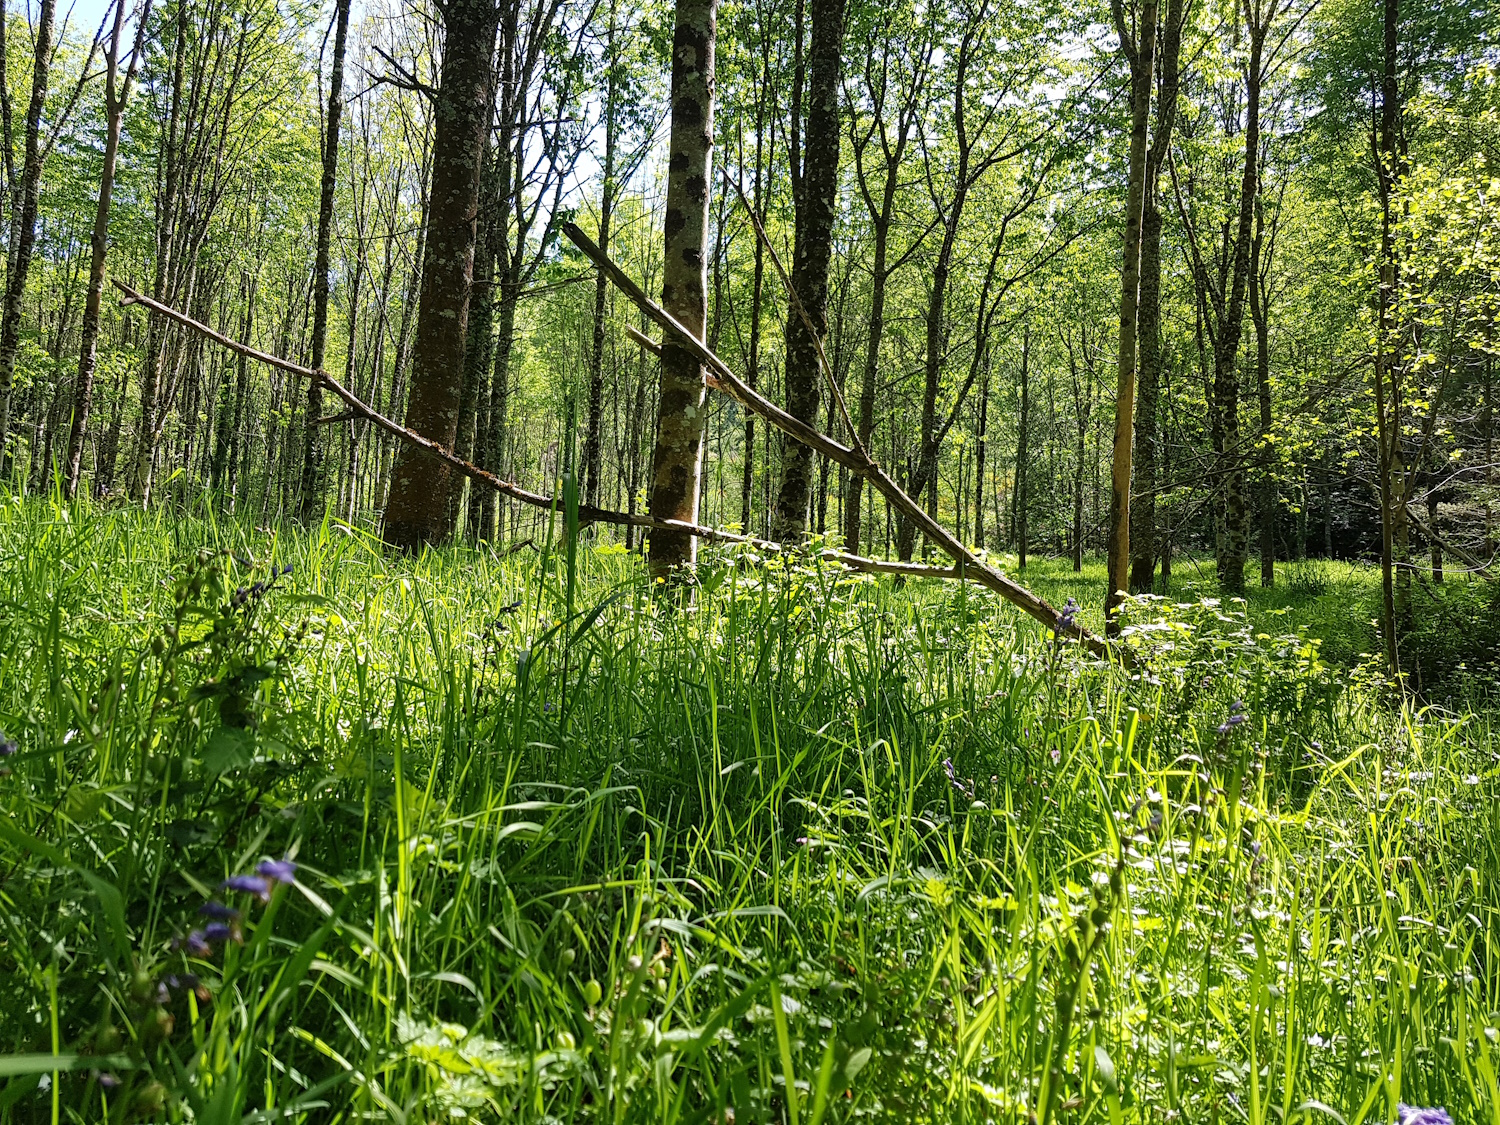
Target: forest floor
(297,830)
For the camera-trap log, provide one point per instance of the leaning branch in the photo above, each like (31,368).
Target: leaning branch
(1475,564)
(722,378)
(587,513)
(968,566)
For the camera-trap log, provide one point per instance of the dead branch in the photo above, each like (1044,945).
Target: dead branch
(722,378)
(970,566)
(1475,564)
(643,340)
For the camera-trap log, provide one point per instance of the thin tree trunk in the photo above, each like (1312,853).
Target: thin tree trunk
(24,197)
(981,441)
(816,189)
(1387,402)
(1023,439)
(1143,498)
(115,95)
(312,453)
(680,408)
(593,442)
(1140,52)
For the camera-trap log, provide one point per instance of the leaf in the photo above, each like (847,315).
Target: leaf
(228,748)
(12,1065)
(856,1063)
(1106,1067)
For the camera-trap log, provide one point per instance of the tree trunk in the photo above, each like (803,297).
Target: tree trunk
(1235,544)
(757,297)
(416,512)
(593,442)
(981,440)
(1148,328)
(816,200)
(312,454)
(1023,454)
(23,221)
(88,352)
(479,344)
(1140,55)
(680,408)
(1387,362)
(166,218)
(1260,317)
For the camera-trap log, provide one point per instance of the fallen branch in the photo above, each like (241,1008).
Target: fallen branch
(722,378)
(969,566)
(1475,564)
(587,513)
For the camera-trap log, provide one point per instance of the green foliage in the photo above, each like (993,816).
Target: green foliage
(815,850)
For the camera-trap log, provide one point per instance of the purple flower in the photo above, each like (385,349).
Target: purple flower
(1422,1115)
(250,885)
(106,1079)
(219,912)
(1065,619)
(278,870)
(1237,717)
(7,745)
(195,944)
(218,931)
(966,788)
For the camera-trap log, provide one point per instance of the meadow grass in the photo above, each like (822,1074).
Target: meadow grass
(814,849)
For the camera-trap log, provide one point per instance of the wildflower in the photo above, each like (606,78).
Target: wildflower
(7,745)
(277,870)
(196,944)
(219,912)
(1065,619)
(250,885)
(1422,1115)
(218,931)
(964,788)
(106,1079)
(1237,717)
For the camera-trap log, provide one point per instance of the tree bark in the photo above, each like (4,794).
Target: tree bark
(1023,454)
(816,199)
(1139,50)
(981,441)
(680,407)
(312,454)
(1387,362)
(593,442)
(116,92)
(416,512)
(24,197)
(1143,498)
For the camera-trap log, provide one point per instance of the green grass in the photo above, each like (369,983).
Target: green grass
(630,863)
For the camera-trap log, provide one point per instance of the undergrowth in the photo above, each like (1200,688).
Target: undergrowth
(297,830)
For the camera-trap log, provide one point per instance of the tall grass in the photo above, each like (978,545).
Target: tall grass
(813,849)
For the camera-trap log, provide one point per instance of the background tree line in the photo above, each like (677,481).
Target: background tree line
(1255,246)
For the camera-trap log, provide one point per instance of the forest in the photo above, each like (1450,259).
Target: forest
(737,561)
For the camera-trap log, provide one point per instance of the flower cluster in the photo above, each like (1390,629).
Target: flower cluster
(1067,619)
(1237,717)
(1422,1115)
(962,786)
(247,594)
(224,921)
